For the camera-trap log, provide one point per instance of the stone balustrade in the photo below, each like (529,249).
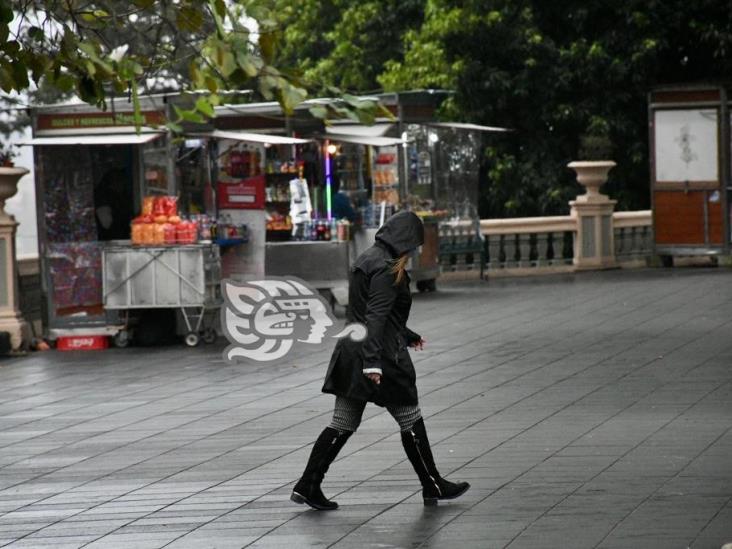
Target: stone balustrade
(535,245)
(633,237)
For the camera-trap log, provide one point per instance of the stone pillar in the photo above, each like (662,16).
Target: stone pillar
(11,320)
(594,246)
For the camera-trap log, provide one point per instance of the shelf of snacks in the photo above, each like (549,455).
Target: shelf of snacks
(159,224)
(279,226)
(388,195)
(241,162)
(226,233)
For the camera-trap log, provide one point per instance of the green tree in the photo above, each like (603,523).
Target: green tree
(344,43)
(103,47)
(556,73)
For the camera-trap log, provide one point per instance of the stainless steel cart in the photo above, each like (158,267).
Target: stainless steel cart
(184,277)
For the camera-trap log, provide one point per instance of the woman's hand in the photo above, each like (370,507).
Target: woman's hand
(376,378)
(419,345)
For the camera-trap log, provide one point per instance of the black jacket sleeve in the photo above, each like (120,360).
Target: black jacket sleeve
(410,336)
(382,294)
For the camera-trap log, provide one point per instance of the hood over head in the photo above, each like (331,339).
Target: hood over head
(402,232)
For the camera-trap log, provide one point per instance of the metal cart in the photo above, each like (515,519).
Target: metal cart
(184,277)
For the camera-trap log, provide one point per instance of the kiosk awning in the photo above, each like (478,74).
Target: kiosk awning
(466,126)
(97,139)
(252,137)
(377,130)
(374,141)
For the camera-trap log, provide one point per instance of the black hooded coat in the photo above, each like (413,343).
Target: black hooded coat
(376,301)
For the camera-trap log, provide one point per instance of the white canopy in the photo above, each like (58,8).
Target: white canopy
(466,126)
(253,137)
(366,140)
(377,130)
(96,139)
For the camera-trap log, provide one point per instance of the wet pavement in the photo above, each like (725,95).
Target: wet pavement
(590,410)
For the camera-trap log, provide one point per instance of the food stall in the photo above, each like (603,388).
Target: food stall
(366,168)
(432,170)
(98,180)
(690,171)
(275,194)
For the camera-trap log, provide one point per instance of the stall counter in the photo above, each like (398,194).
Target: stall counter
(322,264)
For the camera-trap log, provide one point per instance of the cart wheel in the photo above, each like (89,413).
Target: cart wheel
(122,339)
(421,286)
(431,285)
(192,339)
(209,335)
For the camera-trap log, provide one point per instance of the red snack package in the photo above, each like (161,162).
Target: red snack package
(170,205)
(170,233)
(159,206)
(181,232)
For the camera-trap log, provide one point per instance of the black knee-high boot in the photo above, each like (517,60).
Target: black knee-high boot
(434,487)
(326,448)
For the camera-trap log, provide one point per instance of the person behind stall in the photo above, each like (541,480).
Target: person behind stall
(112,205)
(341,206)
(379,368)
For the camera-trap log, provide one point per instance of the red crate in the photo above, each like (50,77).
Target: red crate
(82,343)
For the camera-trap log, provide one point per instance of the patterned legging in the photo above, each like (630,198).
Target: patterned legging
(347,414)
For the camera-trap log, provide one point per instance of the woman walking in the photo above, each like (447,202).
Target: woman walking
(378,369)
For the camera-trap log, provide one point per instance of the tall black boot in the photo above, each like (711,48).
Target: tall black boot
(326,448)
(434,487)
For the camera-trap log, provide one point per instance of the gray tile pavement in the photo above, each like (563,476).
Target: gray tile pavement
(589,410)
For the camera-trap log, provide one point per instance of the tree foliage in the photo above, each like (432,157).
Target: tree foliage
(97,48)
(344,44)
(569,77)
(562,74)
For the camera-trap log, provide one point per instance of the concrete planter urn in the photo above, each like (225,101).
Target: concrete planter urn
(11,320)
(592,174)
(594,246)
(9,177)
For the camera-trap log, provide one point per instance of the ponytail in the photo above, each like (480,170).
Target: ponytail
(399,268)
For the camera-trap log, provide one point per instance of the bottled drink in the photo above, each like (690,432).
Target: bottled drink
(326,230)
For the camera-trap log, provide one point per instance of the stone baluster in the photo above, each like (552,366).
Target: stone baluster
(633,241)
(494,251)
(542,249)
(524,249)
(646,240)
(510,248)
(619,244)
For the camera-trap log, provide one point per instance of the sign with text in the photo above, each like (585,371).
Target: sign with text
(245,194)
(69,121)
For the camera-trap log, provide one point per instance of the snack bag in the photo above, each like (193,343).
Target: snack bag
(147,233)
(158,206)
(170,205)
(136,230)
(159,233)
(169,232)
(147,205)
